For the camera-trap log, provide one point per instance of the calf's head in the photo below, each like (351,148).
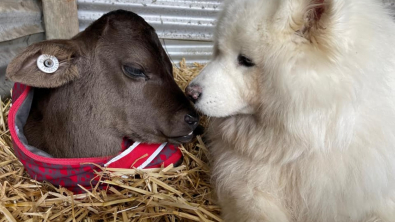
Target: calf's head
(113,78)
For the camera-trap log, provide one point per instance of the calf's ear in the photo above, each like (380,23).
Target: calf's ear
(25,69)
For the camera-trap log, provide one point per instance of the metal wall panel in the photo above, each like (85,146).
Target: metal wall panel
(19,18)
(172,19)
(20,26)
(185,27)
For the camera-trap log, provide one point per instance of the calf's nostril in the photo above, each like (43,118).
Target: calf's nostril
(191,120)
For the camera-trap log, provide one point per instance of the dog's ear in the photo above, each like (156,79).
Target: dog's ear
(315,14)
(55,67)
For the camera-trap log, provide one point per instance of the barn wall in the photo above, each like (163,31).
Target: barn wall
(20,26)
(185,27)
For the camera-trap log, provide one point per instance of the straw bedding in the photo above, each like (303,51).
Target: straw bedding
(171,194)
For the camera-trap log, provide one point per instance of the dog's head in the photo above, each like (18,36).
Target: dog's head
(276,51)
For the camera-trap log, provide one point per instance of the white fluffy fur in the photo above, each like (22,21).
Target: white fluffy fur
(308,133)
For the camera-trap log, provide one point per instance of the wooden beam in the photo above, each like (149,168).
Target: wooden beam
(60,18)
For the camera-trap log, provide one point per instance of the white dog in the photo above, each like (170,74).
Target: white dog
(303,98)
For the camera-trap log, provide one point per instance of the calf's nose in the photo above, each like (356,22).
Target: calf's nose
(192,121)
(193,92)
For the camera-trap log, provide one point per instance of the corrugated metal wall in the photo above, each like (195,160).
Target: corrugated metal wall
(185,27)
(20,26)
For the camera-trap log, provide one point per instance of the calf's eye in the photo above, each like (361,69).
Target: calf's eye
(245,61)
(134,72)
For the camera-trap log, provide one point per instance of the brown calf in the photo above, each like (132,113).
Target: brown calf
(114,80)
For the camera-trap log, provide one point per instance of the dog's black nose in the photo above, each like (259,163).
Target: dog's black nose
(192,121)
(193,92)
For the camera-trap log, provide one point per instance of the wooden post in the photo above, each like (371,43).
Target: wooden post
(60,18)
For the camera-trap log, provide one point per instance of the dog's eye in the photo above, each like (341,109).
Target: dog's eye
(134,72)
(244,61)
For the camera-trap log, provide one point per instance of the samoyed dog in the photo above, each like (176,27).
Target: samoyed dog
(302,95)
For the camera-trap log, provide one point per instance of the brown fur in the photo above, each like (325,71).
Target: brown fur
(88,105)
